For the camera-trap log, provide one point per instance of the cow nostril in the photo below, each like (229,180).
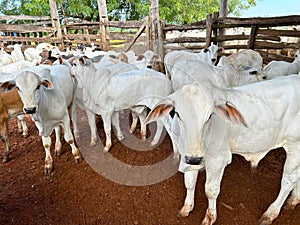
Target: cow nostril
(213,60)
(193,160)
(30,110)
(264,78)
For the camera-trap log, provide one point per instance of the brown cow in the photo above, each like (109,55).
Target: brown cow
(10,106)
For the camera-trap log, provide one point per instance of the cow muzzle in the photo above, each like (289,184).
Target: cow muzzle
(193,160)
(30,110)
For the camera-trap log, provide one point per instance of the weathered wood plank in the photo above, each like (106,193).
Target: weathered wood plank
(20,17)
(24,28)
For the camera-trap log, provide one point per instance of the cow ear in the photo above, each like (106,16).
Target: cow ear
(46,83)
(159,112)
(7,86)
(140,58)
(220,49)
(230,113)
(157,58)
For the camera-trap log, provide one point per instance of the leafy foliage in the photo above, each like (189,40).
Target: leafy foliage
(172,11)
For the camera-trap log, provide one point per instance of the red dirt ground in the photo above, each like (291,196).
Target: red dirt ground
(76,194)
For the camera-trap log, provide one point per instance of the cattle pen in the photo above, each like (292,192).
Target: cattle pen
(275,38)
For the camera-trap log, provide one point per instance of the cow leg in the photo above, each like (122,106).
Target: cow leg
(141,112)
(5,140)
(288,183)
(134,122)
(74,120)
(116,124)
(294,200)
(92,123)
(190,180)
(106,117)
(142,117)
(158,133)
(57,141)
(22,126)
(167,121)
(214,174)
(68,136)
(20,130)
(48,159)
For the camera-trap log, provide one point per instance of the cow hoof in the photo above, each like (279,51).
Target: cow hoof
(120,137)
(93,143)
(106,149)
(265,220)
(57,153)
(131,130)
(182,214)
(48,170)
(78,160)
(154,143)
(291,204)
(5,160)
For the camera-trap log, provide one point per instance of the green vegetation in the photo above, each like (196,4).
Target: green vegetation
(172,11)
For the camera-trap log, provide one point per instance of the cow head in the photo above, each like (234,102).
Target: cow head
(29,87)
(211,54)
(194,105)
(150,58)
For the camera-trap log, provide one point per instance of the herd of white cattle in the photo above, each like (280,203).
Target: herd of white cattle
(210,108)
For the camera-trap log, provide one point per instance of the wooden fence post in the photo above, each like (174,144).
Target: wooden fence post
(156,29)
(103,24)
(209,22)
(55,22)
(252,37)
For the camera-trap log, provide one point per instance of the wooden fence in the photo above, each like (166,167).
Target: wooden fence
(274,37)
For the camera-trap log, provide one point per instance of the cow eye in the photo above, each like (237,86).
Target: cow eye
(38,87)
(18,88)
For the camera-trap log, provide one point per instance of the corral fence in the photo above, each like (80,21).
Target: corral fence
(276,38)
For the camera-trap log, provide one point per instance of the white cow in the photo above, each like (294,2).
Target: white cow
(187,71)
(5,58)
(247,57)
(32,54)
(113,69)
(17,66)
(283,68)
(16,53)
(263,116)
(46,94)
(208,55)
(105,94)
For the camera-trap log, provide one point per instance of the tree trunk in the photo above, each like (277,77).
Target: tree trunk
(223,8)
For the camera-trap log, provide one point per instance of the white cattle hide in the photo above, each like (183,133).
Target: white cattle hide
(208,55)
(32,54)
(263,116)
(17,66)
(247,57)
(283,68)
(16,53)
(5,58)
(188,71)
